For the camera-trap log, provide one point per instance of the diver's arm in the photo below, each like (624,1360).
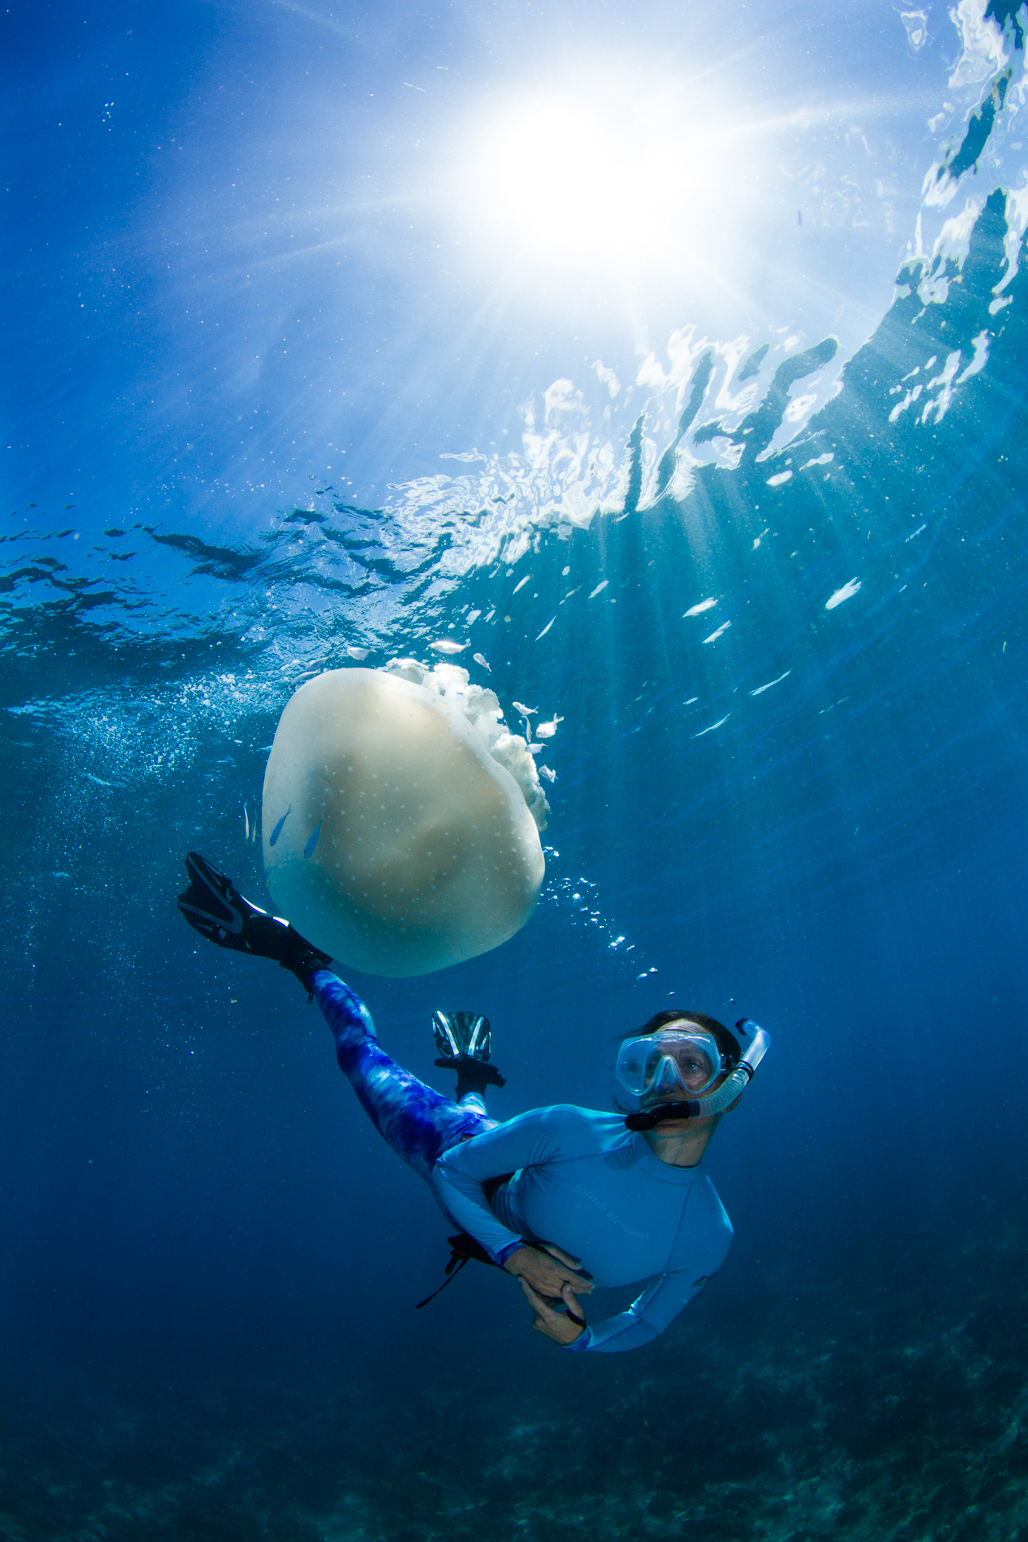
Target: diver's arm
(647,1317)
(464,1199)
(527,1141)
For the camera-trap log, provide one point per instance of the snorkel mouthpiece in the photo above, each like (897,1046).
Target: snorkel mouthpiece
(648,1119)
(718,1101)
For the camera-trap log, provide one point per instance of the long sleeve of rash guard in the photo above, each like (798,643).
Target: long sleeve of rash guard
(647,1317)
(572,1144)
(523,1142)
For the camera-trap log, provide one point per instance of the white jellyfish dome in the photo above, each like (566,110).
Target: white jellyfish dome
(401,819)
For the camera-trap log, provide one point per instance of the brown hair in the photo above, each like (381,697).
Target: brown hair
(727,1043)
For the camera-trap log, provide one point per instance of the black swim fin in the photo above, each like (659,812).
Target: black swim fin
(214,907)
(464,1040)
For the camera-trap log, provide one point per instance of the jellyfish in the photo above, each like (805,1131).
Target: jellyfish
(401,818)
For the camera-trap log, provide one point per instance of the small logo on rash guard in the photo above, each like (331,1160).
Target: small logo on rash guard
(612,1217)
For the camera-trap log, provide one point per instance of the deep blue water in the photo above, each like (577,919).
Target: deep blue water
(251,304)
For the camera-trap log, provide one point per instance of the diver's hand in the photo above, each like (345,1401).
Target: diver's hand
(548,1269)
(560,1327)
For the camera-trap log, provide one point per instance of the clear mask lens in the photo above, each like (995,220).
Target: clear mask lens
(668,1062)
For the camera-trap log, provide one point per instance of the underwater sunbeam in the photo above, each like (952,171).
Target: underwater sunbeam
(620,175)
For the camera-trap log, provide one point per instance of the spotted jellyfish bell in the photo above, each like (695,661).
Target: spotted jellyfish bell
(401,818)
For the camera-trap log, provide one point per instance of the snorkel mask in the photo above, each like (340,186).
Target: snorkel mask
(686,1059)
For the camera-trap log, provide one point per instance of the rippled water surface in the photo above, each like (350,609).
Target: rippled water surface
(740,499)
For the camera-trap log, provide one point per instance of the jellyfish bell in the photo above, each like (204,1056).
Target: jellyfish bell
(401,818)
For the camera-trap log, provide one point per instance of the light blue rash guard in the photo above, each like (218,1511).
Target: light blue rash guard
(586,1184)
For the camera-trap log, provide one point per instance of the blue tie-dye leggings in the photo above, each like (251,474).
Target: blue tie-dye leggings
(418,1122)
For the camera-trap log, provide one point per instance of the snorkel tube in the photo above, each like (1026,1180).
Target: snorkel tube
(721,1098)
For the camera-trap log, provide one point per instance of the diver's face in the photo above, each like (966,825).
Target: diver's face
(694,1066)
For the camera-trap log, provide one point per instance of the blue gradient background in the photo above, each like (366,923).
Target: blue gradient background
(240,330)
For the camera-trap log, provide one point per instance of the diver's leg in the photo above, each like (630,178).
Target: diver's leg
(419,1123)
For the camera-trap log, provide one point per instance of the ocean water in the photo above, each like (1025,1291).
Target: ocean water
(675,365)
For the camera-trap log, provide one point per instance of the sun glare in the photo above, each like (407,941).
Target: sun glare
(609,176)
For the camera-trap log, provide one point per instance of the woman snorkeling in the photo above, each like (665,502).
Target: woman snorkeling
(563,1198)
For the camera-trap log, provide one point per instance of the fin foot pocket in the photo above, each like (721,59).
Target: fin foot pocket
(472,1075)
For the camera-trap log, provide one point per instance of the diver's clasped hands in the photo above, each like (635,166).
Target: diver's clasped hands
(546,1275)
